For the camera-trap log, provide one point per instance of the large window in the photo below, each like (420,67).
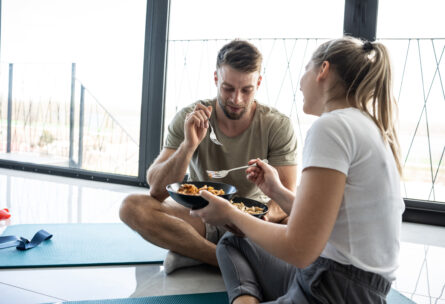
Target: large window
(71,83)
(76,76)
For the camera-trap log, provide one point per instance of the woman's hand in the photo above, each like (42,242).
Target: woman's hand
(196,124)
(218,212)
(264,176)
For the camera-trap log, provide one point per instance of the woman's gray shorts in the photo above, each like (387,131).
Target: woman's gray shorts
(249,270)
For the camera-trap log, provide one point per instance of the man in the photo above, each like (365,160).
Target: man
(246,129)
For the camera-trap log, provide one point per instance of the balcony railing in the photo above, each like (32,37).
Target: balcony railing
(48,116)
(91,138)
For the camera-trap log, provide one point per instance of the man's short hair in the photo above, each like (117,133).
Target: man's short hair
(241,55)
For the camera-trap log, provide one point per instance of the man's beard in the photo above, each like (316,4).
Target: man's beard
(230,115)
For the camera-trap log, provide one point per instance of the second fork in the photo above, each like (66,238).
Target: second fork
(223,173)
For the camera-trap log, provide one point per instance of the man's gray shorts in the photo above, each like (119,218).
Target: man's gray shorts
(214,233)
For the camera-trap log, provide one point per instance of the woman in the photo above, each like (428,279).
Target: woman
(341,243)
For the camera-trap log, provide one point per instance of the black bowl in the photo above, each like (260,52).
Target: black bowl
(196,201)
(250,202)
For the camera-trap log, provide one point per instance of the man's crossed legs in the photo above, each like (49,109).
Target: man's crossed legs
(169,225)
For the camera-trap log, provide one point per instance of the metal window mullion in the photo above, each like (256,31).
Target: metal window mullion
(153,84)
(72,109)
(9,115)
(81,125)
(360,19)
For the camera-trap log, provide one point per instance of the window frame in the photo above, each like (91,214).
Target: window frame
(360,20)
(152,104)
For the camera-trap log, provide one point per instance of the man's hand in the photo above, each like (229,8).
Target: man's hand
(196,124)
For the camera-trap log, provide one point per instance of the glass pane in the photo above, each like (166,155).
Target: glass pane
(417,68)
(411,19)
(71,77)
(201,19)
(286,32)
(417,47)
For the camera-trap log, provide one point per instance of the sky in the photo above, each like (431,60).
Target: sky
(411,18)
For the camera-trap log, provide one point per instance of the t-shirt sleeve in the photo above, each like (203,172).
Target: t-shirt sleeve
(175,130)
(329,144)
(283,143)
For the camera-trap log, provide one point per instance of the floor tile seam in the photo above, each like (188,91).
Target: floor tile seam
(410,293)
(422,267)
(430,298)
(33,291)
(118,188)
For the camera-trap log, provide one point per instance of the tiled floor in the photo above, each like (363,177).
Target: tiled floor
(36,198)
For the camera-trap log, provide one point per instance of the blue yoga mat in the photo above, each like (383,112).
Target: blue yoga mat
(394,297)
(81,245)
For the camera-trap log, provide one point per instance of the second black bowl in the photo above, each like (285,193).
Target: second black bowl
(196,201)
(250,203)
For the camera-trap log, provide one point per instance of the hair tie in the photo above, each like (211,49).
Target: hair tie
(367,46)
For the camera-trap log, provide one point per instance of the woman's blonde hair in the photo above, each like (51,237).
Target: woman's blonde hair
(365,72)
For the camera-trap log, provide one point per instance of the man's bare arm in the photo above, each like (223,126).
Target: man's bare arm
(169,167)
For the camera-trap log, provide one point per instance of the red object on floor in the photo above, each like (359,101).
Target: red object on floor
(4,214)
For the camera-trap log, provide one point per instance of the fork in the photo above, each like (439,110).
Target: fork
(223,173)
(212,132)
(213,135)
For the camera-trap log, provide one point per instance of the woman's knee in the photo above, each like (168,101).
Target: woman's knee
(232,239)
(229,240)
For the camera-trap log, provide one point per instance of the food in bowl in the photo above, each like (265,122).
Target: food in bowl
(250,210)
(256,208)
(196,201)
(190,189)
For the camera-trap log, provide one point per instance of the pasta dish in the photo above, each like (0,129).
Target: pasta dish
(190,189)
(250,210)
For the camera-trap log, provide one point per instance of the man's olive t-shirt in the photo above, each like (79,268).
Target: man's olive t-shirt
(270,136)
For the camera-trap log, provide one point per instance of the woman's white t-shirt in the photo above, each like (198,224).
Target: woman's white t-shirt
(366,233)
